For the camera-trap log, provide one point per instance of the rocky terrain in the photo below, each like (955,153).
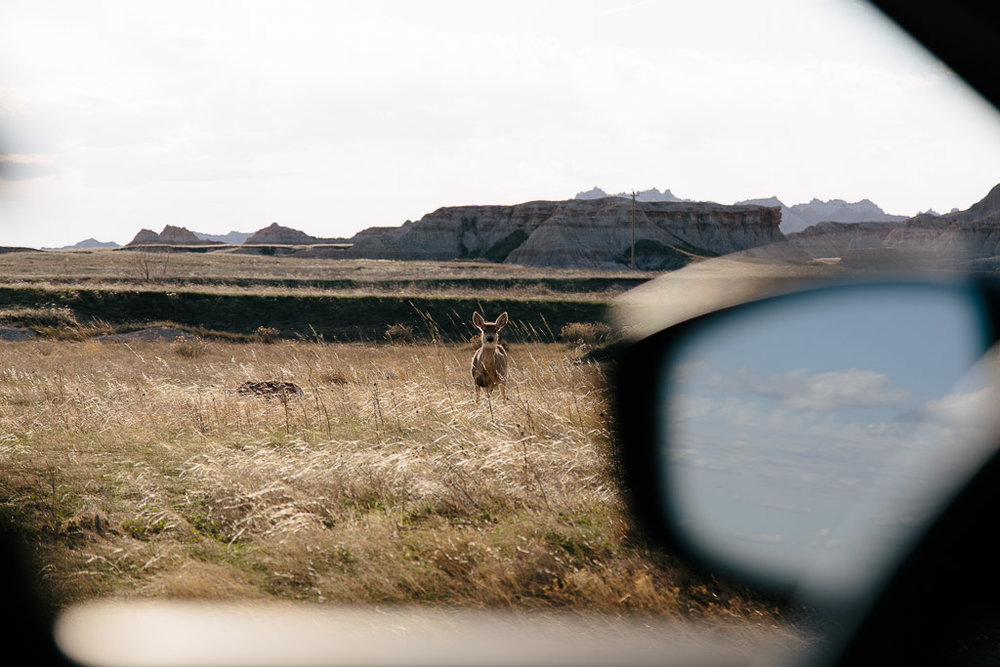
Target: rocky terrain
(170,235)
(973,233)
(582,233)
(651,194)
(595,231)
(969,237)
(801,216)
(591,233)
(793,218)
(273,234)
(276,234)
(833,239)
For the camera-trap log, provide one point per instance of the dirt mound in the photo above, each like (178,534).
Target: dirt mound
(147,335)
(270,389)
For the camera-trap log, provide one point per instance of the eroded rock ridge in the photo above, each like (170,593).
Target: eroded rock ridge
(591,233)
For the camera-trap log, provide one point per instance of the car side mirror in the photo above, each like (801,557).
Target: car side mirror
(801,442)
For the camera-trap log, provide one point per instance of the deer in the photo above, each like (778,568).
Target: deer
(489,363)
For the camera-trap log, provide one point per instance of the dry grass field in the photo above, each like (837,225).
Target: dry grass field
(227,271)
(137,470)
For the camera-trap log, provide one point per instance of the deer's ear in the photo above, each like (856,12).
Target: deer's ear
(502,320)
(477,320)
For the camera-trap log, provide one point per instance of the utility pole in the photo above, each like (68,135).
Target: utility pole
(633,231)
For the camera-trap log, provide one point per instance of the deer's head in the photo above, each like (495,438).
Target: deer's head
(489,331)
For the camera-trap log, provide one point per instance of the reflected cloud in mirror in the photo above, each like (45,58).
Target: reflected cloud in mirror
(809,437)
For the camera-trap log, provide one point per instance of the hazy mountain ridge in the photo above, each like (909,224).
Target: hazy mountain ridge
(87,244)
(966,236)
(591,231)
(273,234)
(233,237)
(171,235)
(651,194)
(793,218)
(800,216)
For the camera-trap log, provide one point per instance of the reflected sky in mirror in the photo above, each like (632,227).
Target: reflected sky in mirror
(809,435)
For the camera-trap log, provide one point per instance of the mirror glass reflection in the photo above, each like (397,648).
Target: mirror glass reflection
(808,436)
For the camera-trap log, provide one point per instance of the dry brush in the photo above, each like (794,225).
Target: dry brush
(138,470)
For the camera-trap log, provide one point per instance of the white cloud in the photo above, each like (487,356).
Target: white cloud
(800,390)
(852,388)
(688,406)
(958,409)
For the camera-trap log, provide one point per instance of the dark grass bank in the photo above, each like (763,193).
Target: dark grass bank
(332,318)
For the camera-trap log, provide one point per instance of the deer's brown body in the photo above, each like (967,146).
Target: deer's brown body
(489,363)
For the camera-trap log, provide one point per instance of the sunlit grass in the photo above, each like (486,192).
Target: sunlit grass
(137,470)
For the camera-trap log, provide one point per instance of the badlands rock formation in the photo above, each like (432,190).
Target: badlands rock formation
(970,238)
(800,216)
(276,234)
(169,236)
(651,194)
(973,233)
(833,239)
(793,218)
(592,233)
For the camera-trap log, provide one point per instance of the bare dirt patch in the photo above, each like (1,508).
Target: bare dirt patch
(17,333)
(147,335)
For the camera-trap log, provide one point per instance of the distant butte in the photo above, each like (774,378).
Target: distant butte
(594,230)
(170,235)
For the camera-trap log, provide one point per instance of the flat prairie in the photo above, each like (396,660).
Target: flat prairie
(229,271)
(135,466)
(138,470)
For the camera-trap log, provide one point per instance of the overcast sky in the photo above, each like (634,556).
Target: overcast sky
(331,117)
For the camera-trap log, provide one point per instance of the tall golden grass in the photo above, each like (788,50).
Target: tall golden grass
(137,470)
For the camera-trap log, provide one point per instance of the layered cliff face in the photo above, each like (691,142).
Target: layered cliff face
(833,239)
(576,233)
(973,233)
(455,232)
(963,238)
